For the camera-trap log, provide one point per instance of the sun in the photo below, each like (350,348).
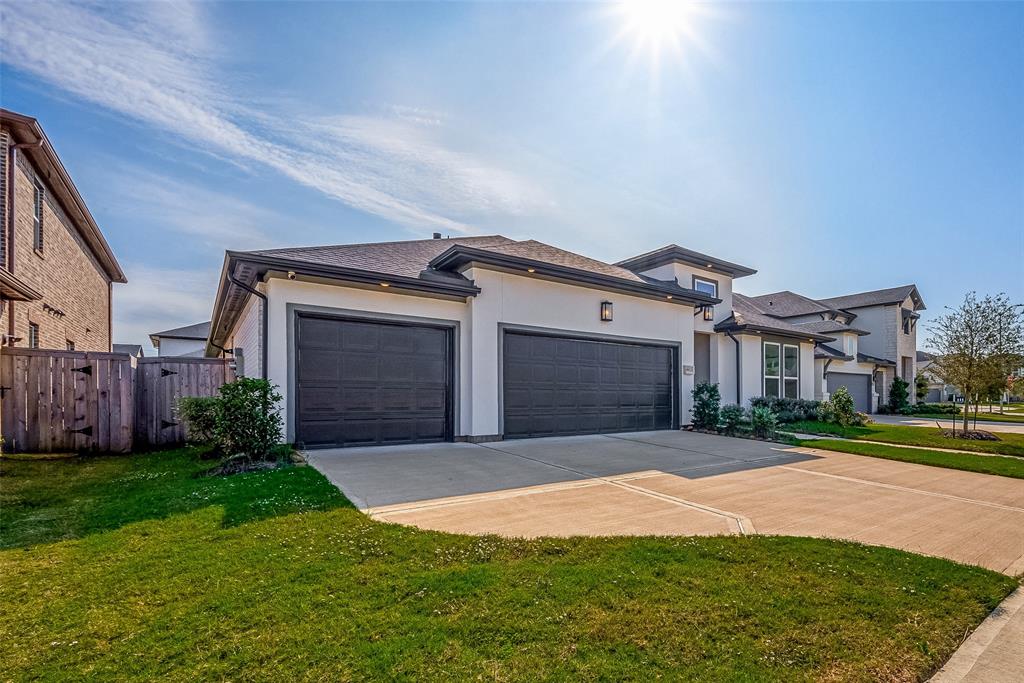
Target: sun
(657,31)
(657,22)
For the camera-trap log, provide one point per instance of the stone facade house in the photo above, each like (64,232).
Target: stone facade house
(56,269)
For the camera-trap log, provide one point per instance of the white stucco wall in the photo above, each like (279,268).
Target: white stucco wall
(752,370)
(505,299)
(181,347)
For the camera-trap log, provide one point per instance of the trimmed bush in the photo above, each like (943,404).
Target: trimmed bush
(249,423)
(199,413)
(763,421)
(243,421)
(706,402)
(788,409)
(731,417)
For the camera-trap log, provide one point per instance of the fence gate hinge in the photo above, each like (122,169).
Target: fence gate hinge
(87,431)
(4,390)
(85,370)
(164,424)
(164,372)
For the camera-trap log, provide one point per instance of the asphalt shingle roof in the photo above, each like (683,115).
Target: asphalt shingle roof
(746,312)
(196,331)
(878,297)
(829,326)
(786,304)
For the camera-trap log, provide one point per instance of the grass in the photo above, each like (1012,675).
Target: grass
(134,568)
(984,464)
(930,437)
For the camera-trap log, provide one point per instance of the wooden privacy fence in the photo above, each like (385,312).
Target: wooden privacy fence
(54,401)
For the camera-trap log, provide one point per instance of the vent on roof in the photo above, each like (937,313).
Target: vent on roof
(437,235)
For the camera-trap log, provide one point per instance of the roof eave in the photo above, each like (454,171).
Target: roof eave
(14,288)
(27,126)
(674,252)
(458,256)
(725,325)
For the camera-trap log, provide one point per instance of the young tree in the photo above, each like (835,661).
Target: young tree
(978,343)
(921,386)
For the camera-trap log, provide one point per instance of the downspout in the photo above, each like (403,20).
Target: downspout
(265,321)
(12,162)
(728,333)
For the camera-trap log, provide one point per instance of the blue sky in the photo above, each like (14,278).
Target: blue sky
(835,147)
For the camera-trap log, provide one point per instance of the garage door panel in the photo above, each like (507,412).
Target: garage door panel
(859,387)
(380,383)
(584,386)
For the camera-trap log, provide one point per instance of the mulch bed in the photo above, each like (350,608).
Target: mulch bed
(977,435)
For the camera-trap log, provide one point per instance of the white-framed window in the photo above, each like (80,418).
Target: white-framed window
(781,370)
(772,368)
(70,345)
(791,371)
(38,199)
(706,286)
(33,336)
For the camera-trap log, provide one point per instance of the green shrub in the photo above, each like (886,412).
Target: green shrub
(788,409)
(248,422)
(838,409)
(899,396)
(731,417)
(763,421)
(199,413)
(706,402)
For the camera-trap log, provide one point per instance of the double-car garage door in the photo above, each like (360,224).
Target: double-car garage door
(367,382)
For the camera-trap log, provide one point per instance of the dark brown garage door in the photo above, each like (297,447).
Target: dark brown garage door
(363,383)
(559,386)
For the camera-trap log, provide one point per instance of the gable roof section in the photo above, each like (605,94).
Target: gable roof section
(194,331)
(26,129)
(748,316)
(828,353)
(429,267)
(878,297)
(925,357)
(673,252)
(786,304)
(130,349)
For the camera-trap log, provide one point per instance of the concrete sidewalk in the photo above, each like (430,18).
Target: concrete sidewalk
(994,653)
(911,421)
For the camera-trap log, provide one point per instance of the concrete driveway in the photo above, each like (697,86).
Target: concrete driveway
(668,483)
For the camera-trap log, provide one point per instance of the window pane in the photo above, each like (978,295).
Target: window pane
(792,390)
(792,361)
(706,286)
(771,360)
(771,387)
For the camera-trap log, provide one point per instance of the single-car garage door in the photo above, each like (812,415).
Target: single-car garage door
(362,382)
(859,387)
(560,386)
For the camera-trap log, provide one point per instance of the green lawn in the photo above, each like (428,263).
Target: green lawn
(135,568)
(1008,444)
(985,464)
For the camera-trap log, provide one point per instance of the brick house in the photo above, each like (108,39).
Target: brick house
(56,269)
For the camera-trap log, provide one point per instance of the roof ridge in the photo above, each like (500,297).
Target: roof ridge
(378,244)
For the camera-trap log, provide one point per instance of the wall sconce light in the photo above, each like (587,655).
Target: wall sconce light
(709,312)
(606,311)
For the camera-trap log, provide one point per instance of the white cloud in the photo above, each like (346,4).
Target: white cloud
(155,63)
(157,299)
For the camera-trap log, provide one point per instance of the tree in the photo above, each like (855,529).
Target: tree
(979,344)
(899,394)
(921,386)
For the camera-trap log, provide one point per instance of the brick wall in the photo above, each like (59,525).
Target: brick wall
(76,293)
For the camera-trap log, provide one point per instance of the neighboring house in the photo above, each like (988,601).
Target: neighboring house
(938,390)
(56,269)
(133,350)
(875,339)
(188,341)
(483,338)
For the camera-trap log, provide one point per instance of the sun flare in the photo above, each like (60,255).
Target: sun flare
(657,31)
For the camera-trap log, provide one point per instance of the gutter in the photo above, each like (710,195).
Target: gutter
(729,334)
(265,321)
